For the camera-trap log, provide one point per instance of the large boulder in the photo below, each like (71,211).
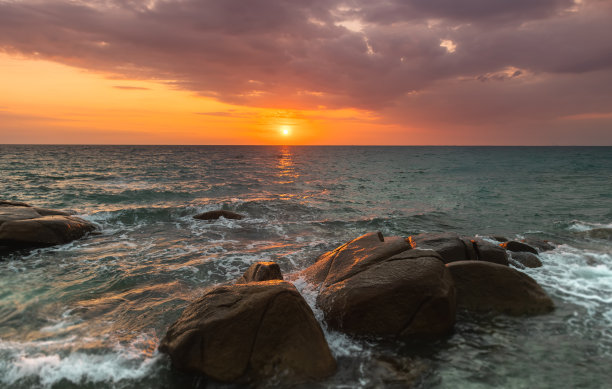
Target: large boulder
(380,286)
(484,286)
(23,226)
(261,271)
(250,332)
(214,215)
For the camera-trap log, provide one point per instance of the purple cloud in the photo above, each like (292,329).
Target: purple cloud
(387,56)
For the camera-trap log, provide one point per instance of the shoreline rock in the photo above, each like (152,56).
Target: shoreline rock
(24,227)
(250,332)
(485,286)
(382,287)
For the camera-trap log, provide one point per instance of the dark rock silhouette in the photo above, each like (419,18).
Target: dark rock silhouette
(490,252)
(518,247)
(541,245)
(484,286)
(214,215)
(527,259)
(248,333)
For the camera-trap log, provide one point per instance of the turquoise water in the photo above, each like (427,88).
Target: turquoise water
(90,313)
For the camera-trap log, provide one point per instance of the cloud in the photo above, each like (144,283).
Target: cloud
(395,55)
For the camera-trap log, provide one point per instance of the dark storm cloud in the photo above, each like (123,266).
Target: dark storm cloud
(300,53)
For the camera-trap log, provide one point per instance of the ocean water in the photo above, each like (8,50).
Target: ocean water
(91,313)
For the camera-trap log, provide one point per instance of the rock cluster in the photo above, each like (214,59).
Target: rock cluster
(412,287)
(402,288)
(23,226)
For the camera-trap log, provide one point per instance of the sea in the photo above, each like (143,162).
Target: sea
(91,313)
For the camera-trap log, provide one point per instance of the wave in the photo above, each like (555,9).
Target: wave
(32,364)
(581,278)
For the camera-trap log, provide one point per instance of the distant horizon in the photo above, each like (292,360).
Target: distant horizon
(281,145)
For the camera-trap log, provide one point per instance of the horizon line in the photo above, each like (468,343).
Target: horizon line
(294,145)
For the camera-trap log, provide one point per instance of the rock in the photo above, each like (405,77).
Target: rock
(598,233)
(541,245)
(352,257)
(261,271)
(518,247)
(43,231)
(213,215)
(490,252)
(395,371)
(485,286)
(527,259)
(10,203)
(453,247)
(248,333)
(382,287)
(450,246)
(10,212)
(50,212)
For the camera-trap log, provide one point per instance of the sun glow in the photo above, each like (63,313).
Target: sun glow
(285,130)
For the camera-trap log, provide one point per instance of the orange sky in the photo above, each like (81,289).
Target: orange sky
(46,102)
(330,72)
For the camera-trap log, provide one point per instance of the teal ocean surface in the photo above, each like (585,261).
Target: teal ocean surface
(91,313)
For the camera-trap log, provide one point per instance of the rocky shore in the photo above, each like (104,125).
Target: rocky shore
(23,226)
(260,328)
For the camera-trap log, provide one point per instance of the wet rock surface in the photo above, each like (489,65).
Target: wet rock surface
(248,333)
(484,286)
(526,259)
(381,286)
(518,247)
(23,226)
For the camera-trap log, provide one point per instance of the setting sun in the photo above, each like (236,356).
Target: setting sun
(285,130)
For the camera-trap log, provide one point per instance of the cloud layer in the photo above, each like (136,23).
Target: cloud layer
(444,61)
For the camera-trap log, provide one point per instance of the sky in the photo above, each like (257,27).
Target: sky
(385,72)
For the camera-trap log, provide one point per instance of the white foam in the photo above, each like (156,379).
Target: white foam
(580,226)
(582,278)
(341,345)
(30,360)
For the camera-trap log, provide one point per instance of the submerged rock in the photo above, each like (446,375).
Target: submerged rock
(527,259)
(484,286)
(382,287)
(541,245)
(250,332)
(214,215)
(23,226)
(261,271)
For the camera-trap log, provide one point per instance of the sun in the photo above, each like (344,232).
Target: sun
(285,130)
